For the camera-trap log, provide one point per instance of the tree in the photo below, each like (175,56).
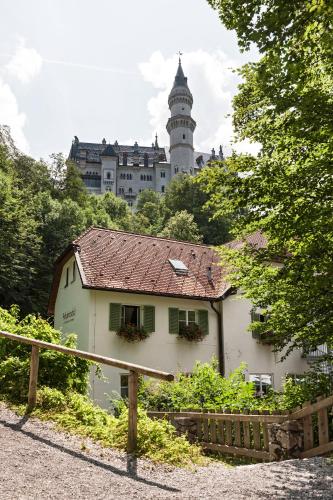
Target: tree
(285,104)
(74,187)
(185,193)
(181,226)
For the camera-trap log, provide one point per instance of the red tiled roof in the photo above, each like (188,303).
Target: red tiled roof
(127,262)
(116,260)
(256,240)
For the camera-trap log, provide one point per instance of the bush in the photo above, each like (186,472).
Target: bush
(56,370)
(157,439)
(204,389)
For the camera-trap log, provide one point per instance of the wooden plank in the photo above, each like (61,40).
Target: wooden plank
(199,429)
(308,430)
(220,430)
(213,430)
(246,433)
(228,430)
(323,426)
(319,450)
(133,380)
(205,430)
(270,419)
(308,410)
(34,364)
(238,435)
(150,372)
(234,450)
(256,435)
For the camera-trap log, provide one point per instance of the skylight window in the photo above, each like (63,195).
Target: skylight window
(178,266)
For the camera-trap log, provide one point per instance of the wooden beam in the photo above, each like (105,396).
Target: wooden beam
(133,380)
(221,416)
(34,364)
(319,450)
(234,450)
(308,410)
(150,372)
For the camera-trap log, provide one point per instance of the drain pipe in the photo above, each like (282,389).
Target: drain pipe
(220,336)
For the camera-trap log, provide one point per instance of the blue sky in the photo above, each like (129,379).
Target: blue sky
(104,69)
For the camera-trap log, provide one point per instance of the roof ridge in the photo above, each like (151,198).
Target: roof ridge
(160,238)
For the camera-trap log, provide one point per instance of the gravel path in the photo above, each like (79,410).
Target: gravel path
(39,462)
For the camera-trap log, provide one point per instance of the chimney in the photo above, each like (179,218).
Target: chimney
(209,274)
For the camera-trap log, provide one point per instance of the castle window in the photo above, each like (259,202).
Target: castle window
(145,160)
(125,159)
(121,190)
(108,175)
(163,175)
(162,189)
(183,136)
(130,190)
(130,203)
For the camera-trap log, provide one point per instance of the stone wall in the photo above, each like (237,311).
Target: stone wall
(285,440)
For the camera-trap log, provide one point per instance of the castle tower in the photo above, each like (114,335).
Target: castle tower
(181,125)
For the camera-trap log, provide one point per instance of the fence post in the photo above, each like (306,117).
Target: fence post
(34,363)
(132,411)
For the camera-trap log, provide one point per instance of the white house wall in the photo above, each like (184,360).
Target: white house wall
(239,345)
(161,351)
(72,307)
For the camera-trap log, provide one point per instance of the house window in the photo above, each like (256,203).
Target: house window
(124,386)
(186,318)
(130,315)
(74,272)
(163,175)
(67,277)
(262,382)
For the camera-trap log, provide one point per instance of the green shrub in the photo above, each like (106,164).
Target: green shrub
(157,439)
(204,389)
(56,370)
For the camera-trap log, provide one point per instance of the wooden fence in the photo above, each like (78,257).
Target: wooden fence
(238,434)
(317,423)
(247,435)
(134,371)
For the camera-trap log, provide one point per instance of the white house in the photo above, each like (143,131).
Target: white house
(108,279)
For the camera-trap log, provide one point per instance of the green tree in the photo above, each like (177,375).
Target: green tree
(74,187)
(185,193)
(284,103)
(181,226)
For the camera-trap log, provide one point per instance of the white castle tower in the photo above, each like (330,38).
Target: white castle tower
(181,125)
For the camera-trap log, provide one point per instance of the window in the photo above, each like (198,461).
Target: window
(130,315)
(186,318)
(125,159)
(67,277)
(121,190)
(162,189)
(145,160)
(178,266)
(163,175)
(130,190)
(124,386)
(262,382)
(179,318)
(176,170)
(74,272)
(183,136)
(130,204)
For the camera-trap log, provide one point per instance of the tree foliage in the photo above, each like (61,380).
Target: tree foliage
(285,103)
(181,226)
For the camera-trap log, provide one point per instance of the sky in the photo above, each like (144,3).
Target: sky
(104,68)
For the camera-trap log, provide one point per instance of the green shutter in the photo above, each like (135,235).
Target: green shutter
(149,318)
(115,317)
(173,320)
(203,321)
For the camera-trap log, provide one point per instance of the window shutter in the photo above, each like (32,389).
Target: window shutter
(115,317)
(173,320)
(149,318)
(203,321)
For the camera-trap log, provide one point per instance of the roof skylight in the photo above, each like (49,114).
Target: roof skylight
(178,266)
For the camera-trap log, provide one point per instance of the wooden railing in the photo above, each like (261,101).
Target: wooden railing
(134,372)
(232,433)
(317,423)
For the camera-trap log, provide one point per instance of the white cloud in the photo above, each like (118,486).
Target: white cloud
(25,64)
(11,116)
(213,84)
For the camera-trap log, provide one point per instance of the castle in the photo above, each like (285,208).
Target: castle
(128,170)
